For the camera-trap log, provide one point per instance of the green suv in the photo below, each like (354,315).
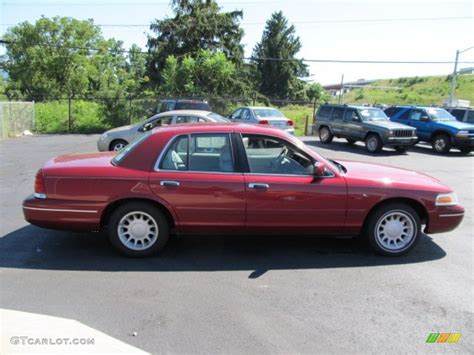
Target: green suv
(362,123)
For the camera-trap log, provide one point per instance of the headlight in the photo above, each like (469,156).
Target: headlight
(449,199)
(103,136)
(389,132)
(462,134)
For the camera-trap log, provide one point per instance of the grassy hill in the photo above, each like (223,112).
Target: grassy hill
(430,90)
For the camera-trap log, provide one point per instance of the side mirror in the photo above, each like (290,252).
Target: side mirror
(319,169)
(424,118)
(146,127)
(356,119)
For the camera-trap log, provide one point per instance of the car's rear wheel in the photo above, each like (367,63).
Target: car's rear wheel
(138,229)
(350,141)
(465,150)
(325,135)
(118,144)
(393,229)
(373,143)
(401,148)
(441,144)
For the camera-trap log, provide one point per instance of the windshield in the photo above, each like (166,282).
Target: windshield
(439,114)
(373,114)
(267,112)
(124,152)
(217,118)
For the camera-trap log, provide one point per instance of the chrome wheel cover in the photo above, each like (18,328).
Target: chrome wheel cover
(118,146)
(137,230)
(440,144)
(324,134)
(395,231)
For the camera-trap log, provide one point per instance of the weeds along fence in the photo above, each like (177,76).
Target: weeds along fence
(16,117)
(94,115)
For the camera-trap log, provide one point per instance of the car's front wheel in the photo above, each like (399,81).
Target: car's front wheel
(138,229)
(373,143)
(393,229)
(325,135)
(118,144)
(441,144)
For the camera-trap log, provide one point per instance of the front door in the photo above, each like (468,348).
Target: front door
(353,127)
(419,119)
(197,177)
(282,194)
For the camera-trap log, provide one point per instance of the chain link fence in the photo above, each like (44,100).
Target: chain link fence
(16,117)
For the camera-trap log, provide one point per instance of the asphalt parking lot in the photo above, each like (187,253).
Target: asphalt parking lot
(252,295)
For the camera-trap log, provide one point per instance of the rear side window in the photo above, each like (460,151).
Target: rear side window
(392,111)
(337,113)
(192,106)
(324,111)
(405,115)
(200,152)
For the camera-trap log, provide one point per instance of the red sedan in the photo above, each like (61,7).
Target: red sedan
(232,178)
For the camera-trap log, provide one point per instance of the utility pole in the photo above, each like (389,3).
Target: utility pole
(453,80)
(455,72)
(341,93)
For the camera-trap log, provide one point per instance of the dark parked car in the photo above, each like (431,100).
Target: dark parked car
(362,123)
(463,114)
(174,105)
(436,126)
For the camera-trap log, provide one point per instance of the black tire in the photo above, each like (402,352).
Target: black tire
(373,143)
(401,148)
(325,135)
(115,144)
(148,212)
(383,212)
(350,141)
(441,143)
(465,150)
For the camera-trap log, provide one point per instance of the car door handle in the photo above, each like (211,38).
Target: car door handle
(168,183)
(258,186)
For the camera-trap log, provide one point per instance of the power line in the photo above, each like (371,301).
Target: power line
(348,61)
(386,20)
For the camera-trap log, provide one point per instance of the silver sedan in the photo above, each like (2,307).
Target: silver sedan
(117,138)
(263,115)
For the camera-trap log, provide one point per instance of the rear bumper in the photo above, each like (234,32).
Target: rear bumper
(58,214)
(444,219)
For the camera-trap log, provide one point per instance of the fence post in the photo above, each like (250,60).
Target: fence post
(254,98)
(306,125)
(69,114)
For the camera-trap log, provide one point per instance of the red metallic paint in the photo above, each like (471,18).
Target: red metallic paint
(79,187)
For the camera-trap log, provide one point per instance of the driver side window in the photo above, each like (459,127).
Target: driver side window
(267,155)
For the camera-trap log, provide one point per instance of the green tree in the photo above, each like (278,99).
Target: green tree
(315,92)
(196,25)
(279,78)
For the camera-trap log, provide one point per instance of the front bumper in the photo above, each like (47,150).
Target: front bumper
(465,142)
(393,141)
(103,145)
(444,219)
(62,214)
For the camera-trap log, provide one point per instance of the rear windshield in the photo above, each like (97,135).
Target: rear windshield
(267,112)
(192,106)
(217,118)
(125,151)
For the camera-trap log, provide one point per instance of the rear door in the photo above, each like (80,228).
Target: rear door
(197,176)
(282,194)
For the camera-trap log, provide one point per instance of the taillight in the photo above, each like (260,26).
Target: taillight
(39,185)
(290,123)
(263,122)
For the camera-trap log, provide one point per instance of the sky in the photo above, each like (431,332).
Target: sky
(328,29)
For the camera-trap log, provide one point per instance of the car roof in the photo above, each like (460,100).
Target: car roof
(184,100)
(184,112)
(213,127)
(358,107)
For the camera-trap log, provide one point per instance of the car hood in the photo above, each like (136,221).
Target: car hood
(391,176)
(83,163)
(120,129)
(388,125)
(456,124)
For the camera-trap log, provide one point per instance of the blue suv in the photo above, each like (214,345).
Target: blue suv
(437,126)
